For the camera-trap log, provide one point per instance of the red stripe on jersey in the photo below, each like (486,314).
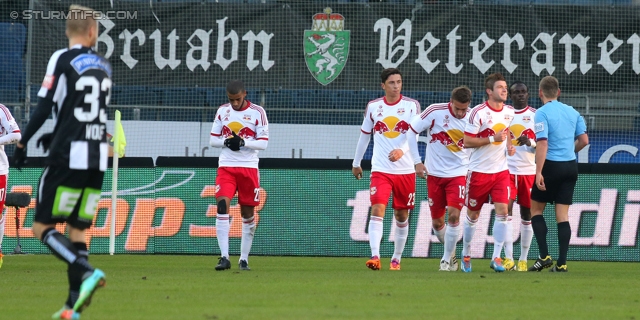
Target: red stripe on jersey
(216,134)
(262,139)
(470,134)
(261,111)
(433,108)
(6,112)
(365,132)
(414,130)
(475,111)
(17,131)
(413,100)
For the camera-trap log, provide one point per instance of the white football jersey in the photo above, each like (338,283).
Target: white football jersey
(389,123)
(249,123)
(524,161)
(485,121)
(446,156)
(7,125)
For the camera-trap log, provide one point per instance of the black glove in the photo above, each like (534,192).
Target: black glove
(234,143)
(19,157)
(45,140)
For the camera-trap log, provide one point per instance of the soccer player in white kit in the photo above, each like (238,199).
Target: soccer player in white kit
(522,172)
(9,134)
(488,133)
(446,166)
(241,129)
(392,172)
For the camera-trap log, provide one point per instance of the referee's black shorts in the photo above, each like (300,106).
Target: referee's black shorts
(560,180)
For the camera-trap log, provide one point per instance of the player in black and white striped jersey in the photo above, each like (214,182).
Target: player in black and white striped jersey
(77,87)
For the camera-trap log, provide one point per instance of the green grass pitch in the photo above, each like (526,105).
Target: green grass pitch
(187,287)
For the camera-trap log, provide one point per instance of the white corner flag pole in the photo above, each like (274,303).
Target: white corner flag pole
(114,194)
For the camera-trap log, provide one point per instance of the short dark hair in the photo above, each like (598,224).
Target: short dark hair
(386,73)
(491,80)
(515,83)
(235,87)
(549,86)
(461,94)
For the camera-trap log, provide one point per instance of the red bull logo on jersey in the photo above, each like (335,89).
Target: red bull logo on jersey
(488,132)
(384,127)
(518,130)
(452,139)
(239,129)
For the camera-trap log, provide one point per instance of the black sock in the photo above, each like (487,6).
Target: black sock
(564,236)
(60,245)
(82,249)
(540,230)
(74,281)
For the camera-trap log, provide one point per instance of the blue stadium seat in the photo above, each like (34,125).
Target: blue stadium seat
(278,98)
(216,97)
(189,97)
(10,96)
(13,37)
(135,95)
(313,99)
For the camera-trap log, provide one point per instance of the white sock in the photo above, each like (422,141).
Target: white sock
(222,233)
(468,229)
(402,231)
(499,234)
(2,230)
(440,233)
(508,240)
(526,236)
(375,235)
(248,231)
(450,241)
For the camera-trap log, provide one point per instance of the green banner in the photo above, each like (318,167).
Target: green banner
(316,213)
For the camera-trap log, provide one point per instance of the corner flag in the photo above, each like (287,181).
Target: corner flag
(119,141)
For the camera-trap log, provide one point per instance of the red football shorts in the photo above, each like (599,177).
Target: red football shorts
(521,187)
(445,192)
(482,185)
(403,187)
(246,181)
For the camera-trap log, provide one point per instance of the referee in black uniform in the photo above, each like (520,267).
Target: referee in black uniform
(77,87)
(560,133)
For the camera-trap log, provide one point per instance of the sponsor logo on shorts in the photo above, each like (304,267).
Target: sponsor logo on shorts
(373,190)
(430,202)
(217,188)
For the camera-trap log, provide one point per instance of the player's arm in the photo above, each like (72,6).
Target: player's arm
(363,142)
(471,139)
(38,117)
(541,128)
(217,140)
(262,134)
(9,124)
(582,139)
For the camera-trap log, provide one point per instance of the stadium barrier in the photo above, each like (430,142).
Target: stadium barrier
(316,208)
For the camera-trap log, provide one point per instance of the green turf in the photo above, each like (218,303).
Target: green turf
(187,287)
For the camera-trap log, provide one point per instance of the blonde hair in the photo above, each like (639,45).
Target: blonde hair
(549,86)
(80,20)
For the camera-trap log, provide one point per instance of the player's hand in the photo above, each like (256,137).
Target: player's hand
(357,172)
(234,143)
(45,141)
(501,135)
(421,170)
(523,141)
(511,150)
(540,182)
(395,155)
(19,157)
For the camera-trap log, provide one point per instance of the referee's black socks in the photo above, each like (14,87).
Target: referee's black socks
(564,236)
(540,231)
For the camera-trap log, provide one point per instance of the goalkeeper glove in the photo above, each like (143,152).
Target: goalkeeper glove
(19,157)
(45,141)
(234,143)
